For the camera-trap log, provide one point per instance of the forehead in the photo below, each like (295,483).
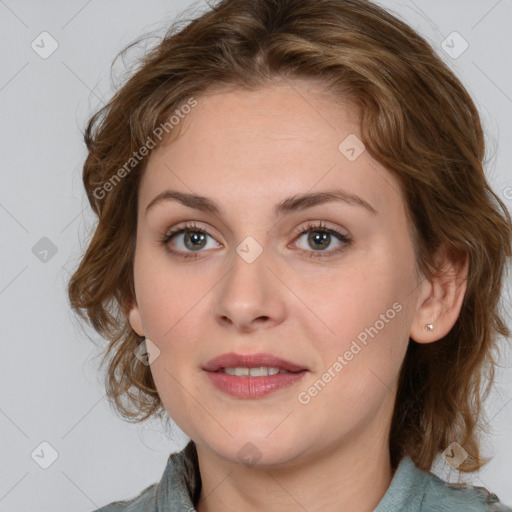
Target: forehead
(275,141)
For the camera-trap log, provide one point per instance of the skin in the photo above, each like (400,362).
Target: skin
(248,151)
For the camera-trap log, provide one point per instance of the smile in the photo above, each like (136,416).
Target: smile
(261,371)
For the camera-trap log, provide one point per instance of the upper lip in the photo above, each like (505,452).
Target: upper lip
(233,360)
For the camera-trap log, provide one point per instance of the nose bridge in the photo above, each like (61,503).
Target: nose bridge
(249,270)
(249,289)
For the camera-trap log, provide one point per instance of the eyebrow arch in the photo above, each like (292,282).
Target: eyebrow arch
(288,205)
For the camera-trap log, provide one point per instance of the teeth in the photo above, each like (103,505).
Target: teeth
(262,371)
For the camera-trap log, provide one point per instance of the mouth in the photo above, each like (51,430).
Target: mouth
(256,371)
(252,376)
(252,365)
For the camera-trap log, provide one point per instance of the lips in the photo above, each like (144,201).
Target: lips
(233,360)
(250,387)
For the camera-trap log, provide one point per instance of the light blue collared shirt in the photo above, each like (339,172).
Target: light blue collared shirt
(411,490)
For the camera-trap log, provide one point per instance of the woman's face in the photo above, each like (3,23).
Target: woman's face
(337,301)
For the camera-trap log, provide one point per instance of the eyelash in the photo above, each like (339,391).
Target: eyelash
(166,237)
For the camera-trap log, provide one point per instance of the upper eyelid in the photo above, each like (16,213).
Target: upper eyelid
(180,227)
(299,231)
(344,240)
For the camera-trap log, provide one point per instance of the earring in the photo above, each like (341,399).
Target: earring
(429,327)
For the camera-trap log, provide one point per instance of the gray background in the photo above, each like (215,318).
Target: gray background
(50,389)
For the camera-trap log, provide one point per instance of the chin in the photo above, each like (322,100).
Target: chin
(259,449)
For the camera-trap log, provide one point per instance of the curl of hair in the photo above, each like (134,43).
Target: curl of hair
(417,119)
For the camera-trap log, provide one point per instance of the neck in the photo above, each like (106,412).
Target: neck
(353,474)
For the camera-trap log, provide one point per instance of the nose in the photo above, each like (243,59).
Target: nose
(250,296)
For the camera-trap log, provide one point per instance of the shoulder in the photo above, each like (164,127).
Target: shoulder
(145,501)
(415,490)
(450,497)
(179,486)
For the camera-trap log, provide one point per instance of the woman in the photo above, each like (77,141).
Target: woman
(298,259)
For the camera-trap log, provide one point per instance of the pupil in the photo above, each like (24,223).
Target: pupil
(194,236)
(318,237)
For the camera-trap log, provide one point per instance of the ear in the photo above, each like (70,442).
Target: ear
(440,299)
(135,320)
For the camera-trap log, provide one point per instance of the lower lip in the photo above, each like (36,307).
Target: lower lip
(253,387)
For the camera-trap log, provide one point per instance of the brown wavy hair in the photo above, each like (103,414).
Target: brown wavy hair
(418,121)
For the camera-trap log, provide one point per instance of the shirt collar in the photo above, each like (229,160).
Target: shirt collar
(406,489)
(180,485)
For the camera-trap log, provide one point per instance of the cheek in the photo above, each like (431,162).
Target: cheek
(163,295)
(171,310)
(367,313)
(355,296)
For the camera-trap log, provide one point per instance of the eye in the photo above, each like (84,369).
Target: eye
(193,239)
(320,237)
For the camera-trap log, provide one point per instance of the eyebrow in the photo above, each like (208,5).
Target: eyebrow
(295,203)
